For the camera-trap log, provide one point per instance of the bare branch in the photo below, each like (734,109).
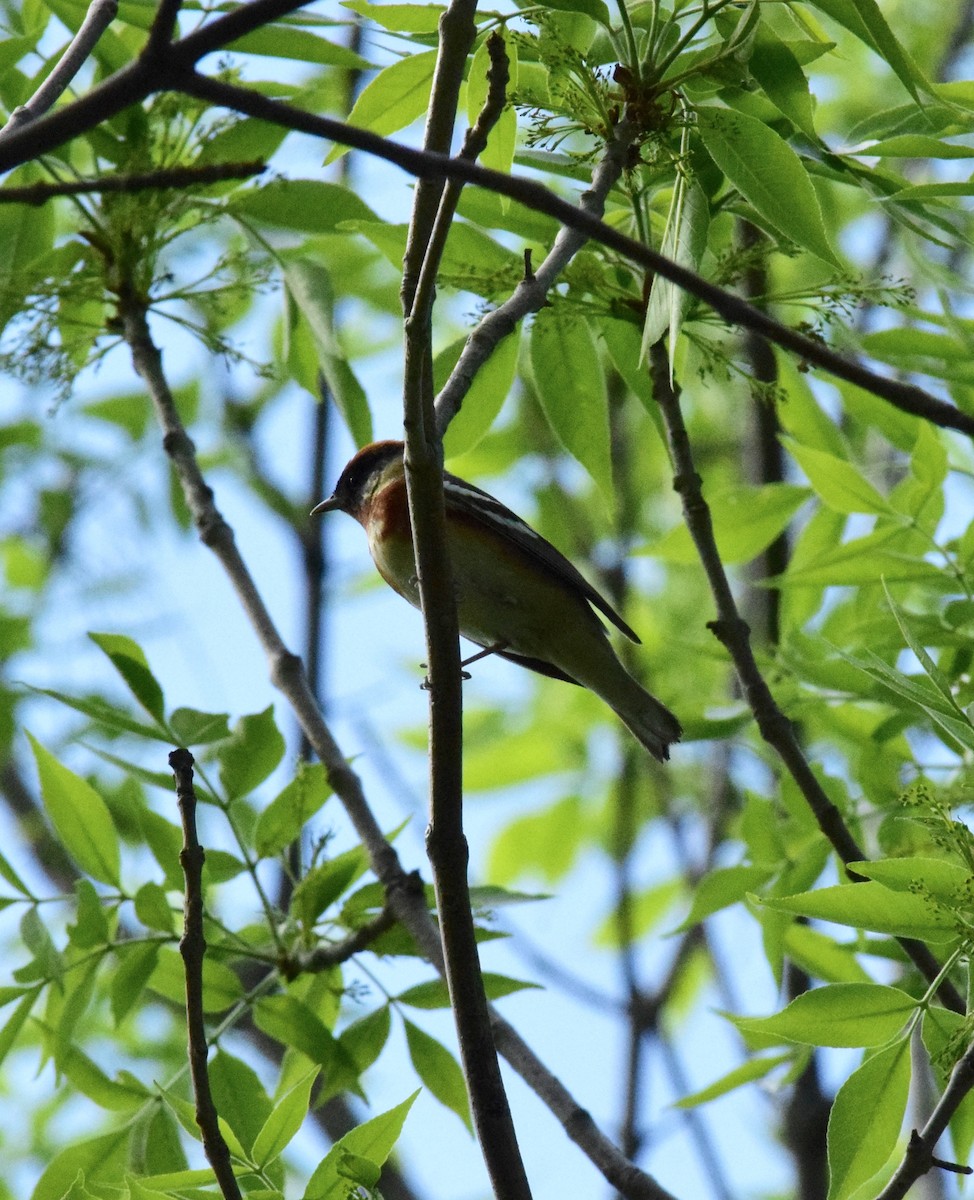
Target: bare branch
(99,16)
(732,631)
(192,947)
(167,177)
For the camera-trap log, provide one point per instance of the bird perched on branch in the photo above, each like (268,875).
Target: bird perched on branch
(517,596)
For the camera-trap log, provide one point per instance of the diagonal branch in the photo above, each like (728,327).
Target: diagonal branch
(99,16)
(732,631)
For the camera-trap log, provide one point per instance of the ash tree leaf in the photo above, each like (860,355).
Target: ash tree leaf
(684,241)
(837,482)
(780,76)
(870,906)
(866,1118)
(768,174)
(438,1070)
(287,814)
(485,397)
(308,205)
(865,19)
(571,386)
(129,660)
(754,1069)
(721,888)
(311,295)
(838,1014)
(396,97)
(373,1140)
(284,1121)
(80,817)
(253,752)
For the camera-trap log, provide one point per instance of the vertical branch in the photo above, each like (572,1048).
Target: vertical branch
(446,843)
(192,947)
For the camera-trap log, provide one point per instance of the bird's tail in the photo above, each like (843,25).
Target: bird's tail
(649,721)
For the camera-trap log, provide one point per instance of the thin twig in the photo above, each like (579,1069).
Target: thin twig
(322,958)
(531,293)
(192,947)
(99,16)
(166,177)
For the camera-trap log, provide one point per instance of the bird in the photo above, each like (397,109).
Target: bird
(517,595)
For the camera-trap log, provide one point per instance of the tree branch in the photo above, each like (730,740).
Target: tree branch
(99,16)
(192,947)
(433,212)
(167,177)
(732,631)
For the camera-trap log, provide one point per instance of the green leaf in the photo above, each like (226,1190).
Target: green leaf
(571,386)
(284,1121)
(194,728)
(101,1159)
(91,927)
(253,752)
(721,888)
(120,1094)
(291,1022)
(865,19)
(838,1014)
(135,963)
(115,719)
(15,1023)
(399,18)
(323,885)
(484,399)
(25,234)
(312,295)
(870,906)
(836,481)
(364,1040)
(768,174)
(221,987)
(128,659)
(547,842)
(948,882)
(746,521)
(283,41)
(396,97)
(774,65)
(438,1070)
(684,241)
(434,993)
(283,820)
(749,1072)
(912,145)
(372,1140)
(153,909)
(595,9)
(239,1096)
(80,817)
(866,1119)
(307,205)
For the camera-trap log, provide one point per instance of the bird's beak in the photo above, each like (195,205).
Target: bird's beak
(328,505)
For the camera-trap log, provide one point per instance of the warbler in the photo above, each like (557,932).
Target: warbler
(517,596)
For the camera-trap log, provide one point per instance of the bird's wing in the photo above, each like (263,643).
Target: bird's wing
(480,506)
